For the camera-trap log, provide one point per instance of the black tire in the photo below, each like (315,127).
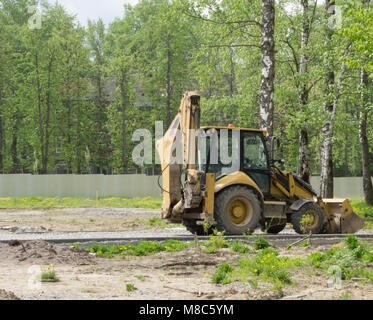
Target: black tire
(315,211)
(273,226)
(240,200)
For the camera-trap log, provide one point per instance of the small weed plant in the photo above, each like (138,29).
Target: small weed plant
(130,287)
(48,275)
(261,243)
(216,242)
(223,274)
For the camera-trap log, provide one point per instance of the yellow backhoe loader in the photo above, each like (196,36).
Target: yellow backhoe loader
(205,189)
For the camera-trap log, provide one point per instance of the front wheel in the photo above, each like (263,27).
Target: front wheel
(237,210)
(308,219)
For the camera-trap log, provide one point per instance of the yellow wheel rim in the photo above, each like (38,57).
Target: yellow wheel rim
(240,211)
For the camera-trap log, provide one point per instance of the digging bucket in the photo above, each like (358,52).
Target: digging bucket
(340,217)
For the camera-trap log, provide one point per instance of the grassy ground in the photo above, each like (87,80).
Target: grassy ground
(364,210)
(358,205)
(259,264)
(78,202)
(361,208)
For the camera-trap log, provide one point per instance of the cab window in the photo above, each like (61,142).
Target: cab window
(254,152)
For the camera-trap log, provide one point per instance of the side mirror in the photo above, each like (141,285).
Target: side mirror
(279,161)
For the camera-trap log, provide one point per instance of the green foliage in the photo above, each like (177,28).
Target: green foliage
(352,242)
(304,244)
(361,208)
(77,202)
(222,275)
(267,266)
(217,241)
(210,250)
(253,283)
(156,222)
(354,259)
(49,274)
(239,247)
(142,249)
(72,97)
(130,287)
(261,243)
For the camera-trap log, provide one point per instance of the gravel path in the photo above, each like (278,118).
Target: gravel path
(59,236)
(6,236)
(25,233)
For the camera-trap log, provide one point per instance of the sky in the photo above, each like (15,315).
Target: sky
(107,10)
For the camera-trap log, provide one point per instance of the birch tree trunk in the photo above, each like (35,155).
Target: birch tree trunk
(78,139)
(304,171)
(327,177)
(123,109)
(266,105)
(1,131)
(38,86)
(326,186)
(367,179)
(47,122)
(168,83)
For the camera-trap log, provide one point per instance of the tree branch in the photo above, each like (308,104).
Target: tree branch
(253,22)
(294,54)
(231,45)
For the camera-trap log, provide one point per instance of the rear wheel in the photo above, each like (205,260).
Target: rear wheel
(308,219)
(237,210)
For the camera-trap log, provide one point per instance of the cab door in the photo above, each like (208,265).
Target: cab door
(254,159)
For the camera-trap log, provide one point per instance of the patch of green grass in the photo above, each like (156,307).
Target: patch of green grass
(140,277)
(361,208)
(78,202)
(253,284)
(354,259)
(48,275)
(261,243)
(210,250)
(304,244)
(223,274)
(216,241)
(130,287)
(142,249)
(268,266)
(156,222)
(239,247)
(346,296)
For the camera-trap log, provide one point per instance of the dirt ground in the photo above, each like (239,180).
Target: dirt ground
(84,219)
(166,275)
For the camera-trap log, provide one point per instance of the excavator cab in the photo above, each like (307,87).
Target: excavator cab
(228,180)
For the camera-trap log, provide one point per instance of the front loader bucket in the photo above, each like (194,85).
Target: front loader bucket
(340,217)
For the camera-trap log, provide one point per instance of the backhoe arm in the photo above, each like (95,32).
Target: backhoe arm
(176,148)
